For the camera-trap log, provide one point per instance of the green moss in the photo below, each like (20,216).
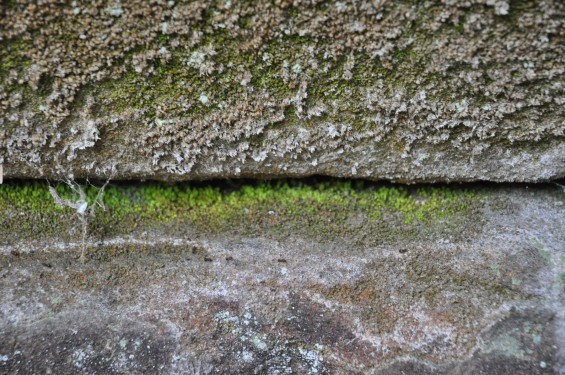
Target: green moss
(11,57)
(519,7)
(174,88)
(327,210)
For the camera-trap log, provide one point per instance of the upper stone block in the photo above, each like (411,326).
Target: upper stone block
(401,90)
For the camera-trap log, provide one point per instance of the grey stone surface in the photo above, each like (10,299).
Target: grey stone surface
(401,90)
(489,301)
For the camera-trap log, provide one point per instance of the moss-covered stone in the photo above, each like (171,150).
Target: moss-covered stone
(409,90)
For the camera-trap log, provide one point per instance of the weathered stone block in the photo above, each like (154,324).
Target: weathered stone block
(401,90)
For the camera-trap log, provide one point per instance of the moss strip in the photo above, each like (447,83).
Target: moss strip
(325,210)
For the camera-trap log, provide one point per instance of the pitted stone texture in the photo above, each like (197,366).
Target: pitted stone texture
(400,90)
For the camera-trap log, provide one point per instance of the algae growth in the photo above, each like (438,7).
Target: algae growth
(328,210)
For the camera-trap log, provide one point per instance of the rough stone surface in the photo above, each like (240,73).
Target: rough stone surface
(488,301)
(402,90)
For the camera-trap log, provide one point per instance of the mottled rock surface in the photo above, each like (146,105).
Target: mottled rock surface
(482,295)
(176,90)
